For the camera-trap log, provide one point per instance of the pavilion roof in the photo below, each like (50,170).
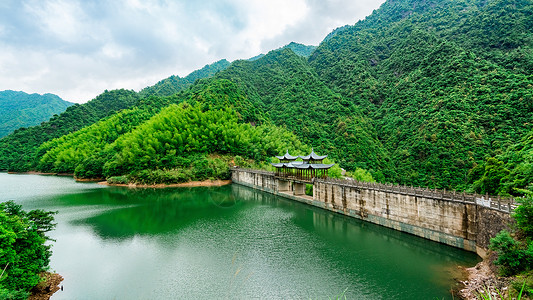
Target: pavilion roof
(313,156)
(287,156)
(302,165)
(314,166)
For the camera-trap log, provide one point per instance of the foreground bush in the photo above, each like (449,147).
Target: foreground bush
(23,253)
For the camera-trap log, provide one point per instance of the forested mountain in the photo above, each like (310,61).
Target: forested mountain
(19,109)
(288,90)
(447,84)
(150,144)
(17,149)
(300,49)
(434,93)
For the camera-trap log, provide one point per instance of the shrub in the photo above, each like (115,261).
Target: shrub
(309,189)
(523,215)
(361,175)
(118,180)
(513,257)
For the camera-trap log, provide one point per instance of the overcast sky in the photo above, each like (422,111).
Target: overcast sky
(78,48)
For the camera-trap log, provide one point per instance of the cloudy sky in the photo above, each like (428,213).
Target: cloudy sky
(78,48)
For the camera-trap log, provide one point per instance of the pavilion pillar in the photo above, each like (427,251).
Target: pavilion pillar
(299,188)
(284,185)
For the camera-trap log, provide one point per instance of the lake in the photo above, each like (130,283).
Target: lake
(229,242)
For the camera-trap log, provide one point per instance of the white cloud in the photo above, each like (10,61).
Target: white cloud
(61,19)
(76,49)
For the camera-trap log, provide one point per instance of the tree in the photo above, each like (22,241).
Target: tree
(23,252)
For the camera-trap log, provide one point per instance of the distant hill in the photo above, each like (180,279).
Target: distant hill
(299,49)
(174,84)
(19,109)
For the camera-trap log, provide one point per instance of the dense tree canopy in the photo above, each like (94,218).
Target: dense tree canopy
(23,252)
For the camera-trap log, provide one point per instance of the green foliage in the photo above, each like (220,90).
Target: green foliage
(523,215)
(18,109)
(66,154)
(523,284)
(283,84)
(441,98)
(518,160)
(197,168)
(299,49)
(361,175)
(169,139)
(118,179)
(221,94)
(13,295)
(435,93)
(516,255)
(487,294)
(309,189)
(512,257)
(493,173)
(23,252)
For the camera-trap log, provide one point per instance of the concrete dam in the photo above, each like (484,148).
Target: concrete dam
(461,220)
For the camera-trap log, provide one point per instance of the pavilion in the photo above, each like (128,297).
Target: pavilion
(310,167)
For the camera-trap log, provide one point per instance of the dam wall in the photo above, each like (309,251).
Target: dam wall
(465,221)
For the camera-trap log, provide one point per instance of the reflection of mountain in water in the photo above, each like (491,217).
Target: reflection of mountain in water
(152,211)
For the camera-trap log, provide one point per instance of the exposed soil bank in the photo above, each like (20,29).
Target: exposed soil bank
(45,289)
(481,278)
(162,185)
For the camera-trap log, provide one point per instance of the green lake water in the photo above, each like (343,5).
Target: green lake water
(228,242)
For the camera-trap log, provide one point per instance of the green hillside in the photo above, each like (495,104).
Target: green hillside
(19,109)
(17,149)
(175,84)
(289,92)
(441,93)
(175,143)
(299,49)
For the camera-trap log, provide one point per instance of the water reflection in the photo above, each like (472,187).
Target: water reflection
(151,211)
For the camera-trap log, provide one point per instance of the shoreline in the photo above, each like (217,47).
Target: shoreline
(205,183)
(41,173)
(45,289)
(482,278)
(101,181)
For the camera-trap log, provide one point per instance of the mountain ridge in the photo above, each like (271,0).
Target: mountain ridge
(20,109)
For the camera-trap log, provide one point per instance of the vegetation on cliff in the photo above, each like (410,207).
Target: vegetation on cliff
(515,248)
